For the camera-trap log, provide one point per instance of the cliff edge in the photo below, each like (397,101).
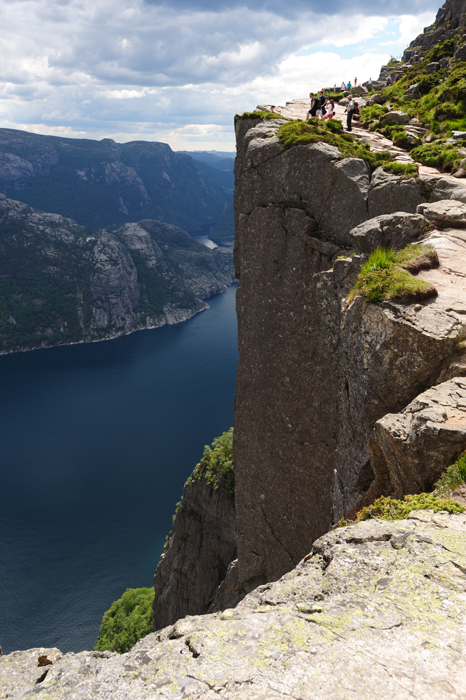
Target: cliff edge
(376,610)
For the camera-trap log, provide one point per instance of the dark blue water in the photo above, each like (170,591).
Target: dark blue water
(96,442)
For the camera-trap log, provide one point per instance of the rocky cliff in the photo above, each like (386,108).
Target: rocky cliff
(375,610)
(315,371)
(60,283)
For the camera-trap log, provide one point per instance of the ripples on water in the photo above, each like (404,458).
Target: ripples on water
(96,443)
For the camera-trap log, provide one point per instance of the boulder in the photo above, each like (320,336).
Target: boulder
(388,231)
(444,213)
(389,193)
(433,67)
(395,118)
(459,135)
(413,92)
(415,446)
(446,189)
(374,611)
(379,98)
(460,53)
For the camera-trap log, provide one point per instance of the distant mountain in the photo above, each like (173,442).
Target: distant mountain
(218,166)
(103,184)
(213,157)
(60,283)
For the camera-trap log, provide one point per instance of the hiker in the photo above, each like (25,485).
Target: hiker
(322,103)
(313,108)
(350,111)
(369,82)
(348,87)
(343,86)
(355,82)
(331,109)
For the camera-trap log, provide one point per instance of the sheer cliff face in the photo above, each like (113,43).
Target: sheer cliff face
(200,548)
(314,374)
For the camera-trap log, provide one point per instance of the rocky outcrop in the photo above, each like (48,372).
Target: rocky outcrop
(411,450)
(315,373)
(375,610)
(389,231)
(199,551)
(389,193)
(62,284)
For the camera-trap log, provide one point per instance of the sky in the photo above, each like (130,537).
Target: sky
(178,72)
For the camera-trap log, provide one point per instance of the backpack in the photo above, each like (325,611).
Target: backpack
(356,108)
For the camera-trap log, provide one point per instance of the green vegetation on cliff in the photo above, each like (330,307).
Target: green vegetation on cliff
(128,619)
(216,465)
(383,276)
(440,499)
(393,509)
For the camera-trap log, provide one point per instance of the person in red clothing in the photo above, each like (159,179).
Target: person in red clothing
(355,82)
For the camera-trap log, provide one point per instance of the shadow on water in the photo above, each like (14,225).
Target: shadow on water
(97,441)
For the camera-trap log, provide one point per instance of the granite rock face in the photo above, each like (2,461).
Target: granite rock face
(389,193)
(61,283)
(445,213)
(389,231)
(200,548)
(376,610)
(414,447)
(315,373)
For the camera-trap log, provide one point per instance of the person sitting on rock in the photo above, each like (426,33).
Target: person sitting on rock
(331,109)
(350,111)
(313,108)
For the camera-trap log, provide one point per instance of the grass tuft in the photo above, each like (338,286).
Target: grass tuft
(453,477)
(402,169)
(383,277)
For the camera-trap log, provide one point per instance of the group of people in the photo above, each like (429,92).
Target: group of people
(347,86)
(323,108)
(320,107)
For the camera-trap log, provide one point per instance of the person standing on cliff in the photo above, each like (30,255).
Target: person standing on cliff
(350,111)
(322,104)
(313,108)
(355,82)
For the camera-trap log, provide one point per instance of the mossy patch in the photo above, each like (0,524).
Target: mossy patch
(387,508)
(262,114)
(299,132)
(128,619)
(384,277)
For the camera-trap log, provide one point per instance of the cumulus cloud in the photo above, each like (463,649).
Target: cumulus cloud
(178,72)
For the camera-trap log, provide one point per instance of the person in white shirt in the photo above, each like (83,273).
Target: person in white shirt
(331,109)
(343,86)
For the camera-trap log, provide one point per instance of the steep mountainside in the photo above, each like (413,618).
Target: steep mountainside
(106,184)
(61,284)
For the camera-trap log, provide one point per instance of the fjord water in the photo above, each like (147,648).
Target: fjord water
(96,441)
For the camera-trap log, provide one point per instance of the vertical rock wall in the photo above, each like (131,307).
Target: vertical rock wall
(314,373)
